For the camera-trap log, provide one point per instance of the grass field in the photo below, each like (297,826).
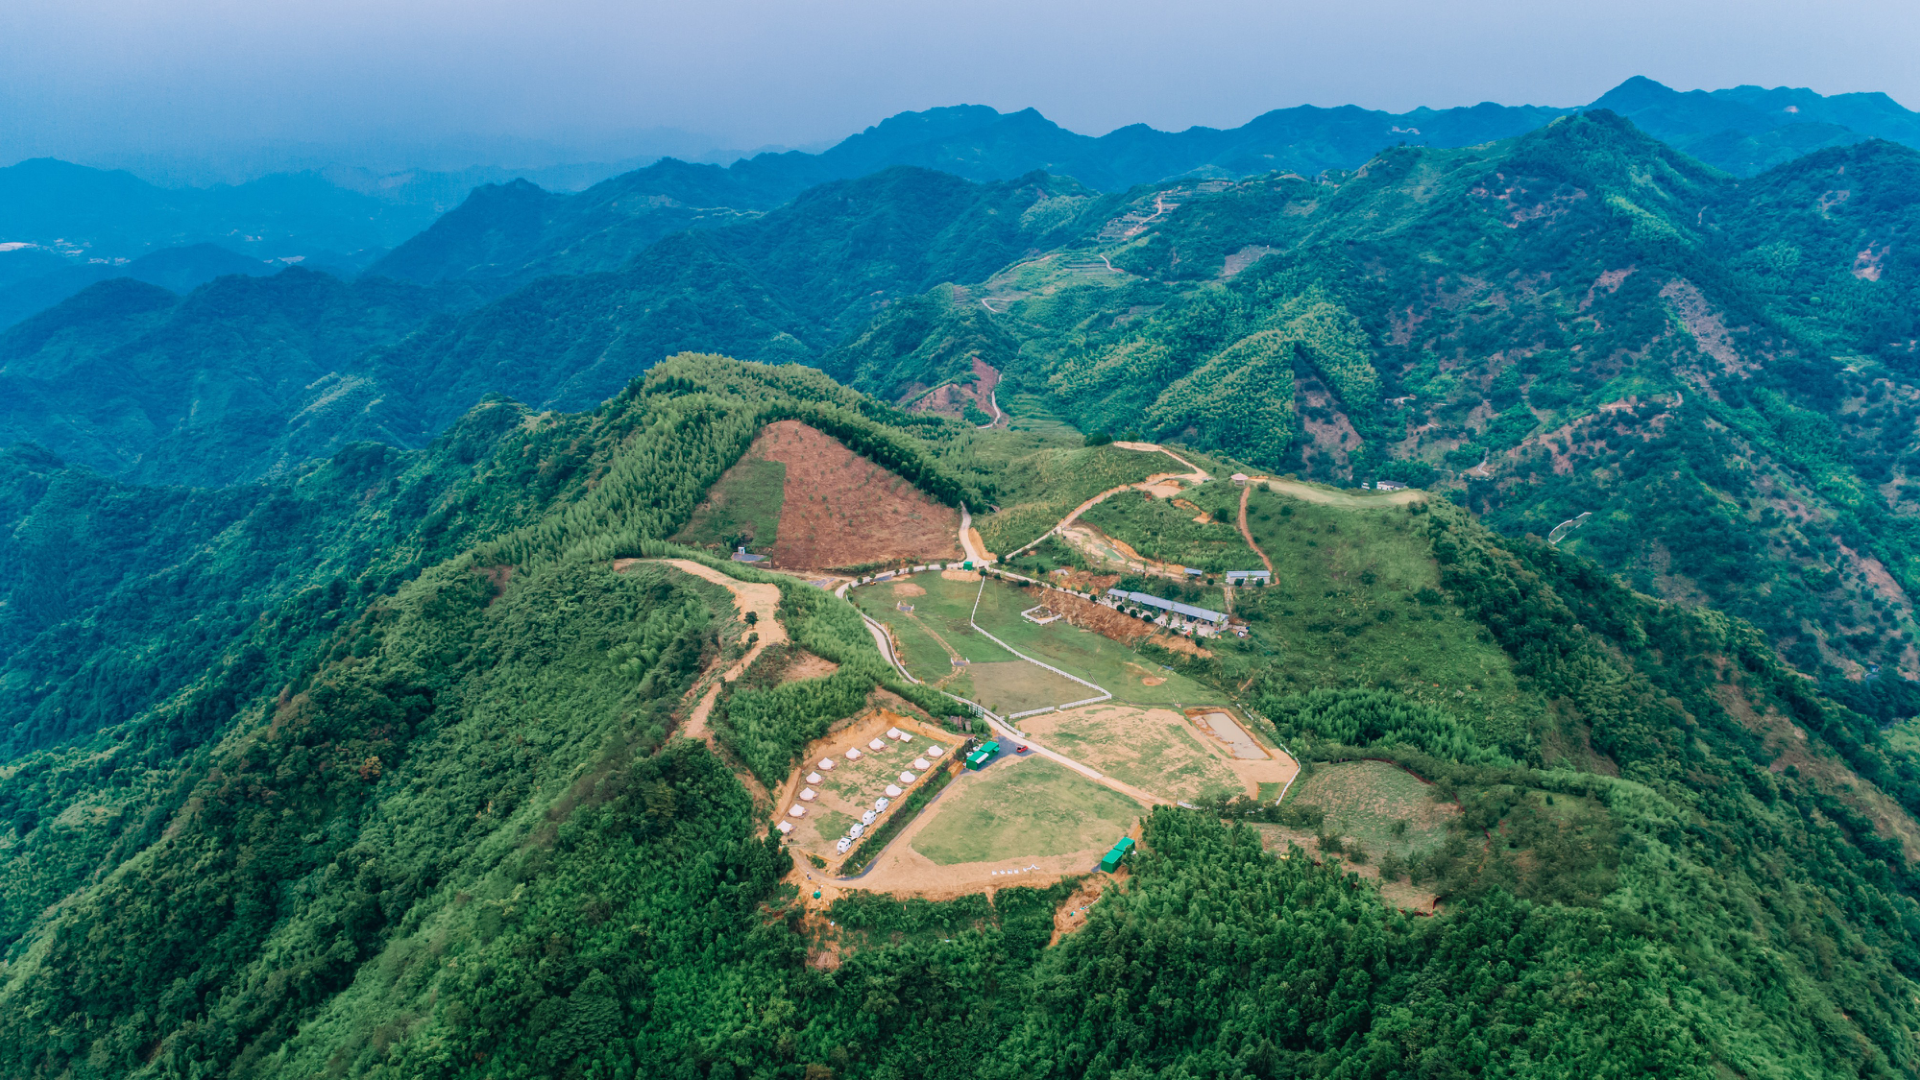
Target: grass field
(1155,750)
(1159,530)
(1032,808)
(1356,602)
(935,630)
(742,508)
(1364,800)
(1014,686)
(1099,660)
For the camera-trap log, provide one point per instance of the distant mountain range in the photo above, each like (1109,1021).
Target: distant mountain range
(55,216)
(505,238)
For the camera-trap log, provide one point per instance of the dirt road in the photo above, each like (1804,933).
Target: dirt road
(1247,534)
(1194,475)
(1313,493)
(763,600)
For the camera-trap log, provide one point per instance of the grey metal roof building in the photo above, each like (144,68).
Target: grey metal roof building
(1174,606)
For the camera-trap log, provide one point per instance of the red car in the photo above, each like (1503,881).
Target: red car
(1020,749)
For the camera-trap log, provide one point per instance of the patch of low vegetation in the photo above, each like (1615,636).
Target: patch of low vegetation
(1165,532)
(742,509)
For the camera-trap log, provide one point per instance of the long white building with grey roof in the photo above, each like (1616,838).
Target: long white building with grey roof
(1172,607)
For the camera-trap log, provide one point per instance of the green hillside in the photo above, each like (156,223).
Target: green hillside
(372,702)
(433,819)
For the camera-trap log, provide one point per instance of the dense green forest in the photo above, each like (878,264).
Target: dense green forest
(342,681)
(428,816)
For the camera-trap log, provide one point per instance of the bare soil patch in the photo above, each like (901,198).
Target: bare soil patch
(953,398)
(842,509)
(1155,750)
(1071,915)
(1179,643)
(808,666)
(907,588)
(1088,615)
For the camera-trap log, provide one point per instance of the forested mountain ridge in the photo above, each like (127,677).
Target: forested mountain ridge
(448,830)
(1581,320)
(525,233)
(240,378)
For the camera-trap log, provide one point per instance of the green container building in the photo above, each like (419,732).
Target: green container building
(979,758)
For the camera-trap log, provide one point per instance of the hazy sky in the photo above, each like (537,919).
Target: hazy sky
(442,80)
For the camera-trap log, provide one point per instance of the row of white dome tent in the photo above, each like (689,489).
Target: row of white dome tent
(808,794)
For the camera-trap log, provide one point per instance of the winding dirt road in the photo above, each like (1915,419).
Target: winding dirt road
(763,601)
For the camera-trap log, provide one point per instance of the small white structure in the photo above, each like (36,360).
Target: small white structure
(854,833)
(934,751)
(892,792)
(906,736)
(796,810)
(853,755)
(785,827)
(826,765)
(877,744)
(842,846)
(882,804)
(921,764)
(1240,479)
(808,794)
(906,777)
(867,818)
(814,777)
(893,733)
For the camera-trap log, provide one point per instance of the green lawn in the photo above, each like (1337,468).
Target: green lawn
(1097,659)
(939,615)
(742,508)
(1033,808)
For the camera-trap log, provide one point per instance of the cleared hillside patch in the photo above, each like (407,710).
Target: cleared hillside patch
(1162,531)
(1043,487)
(742,509)
(1155,750)
(832,507)
(1032,807)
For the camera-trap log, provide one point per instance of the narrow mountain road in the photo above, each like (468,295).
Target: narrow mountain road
(971,546)
(1194,474)
(1247,534)
(763,601)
